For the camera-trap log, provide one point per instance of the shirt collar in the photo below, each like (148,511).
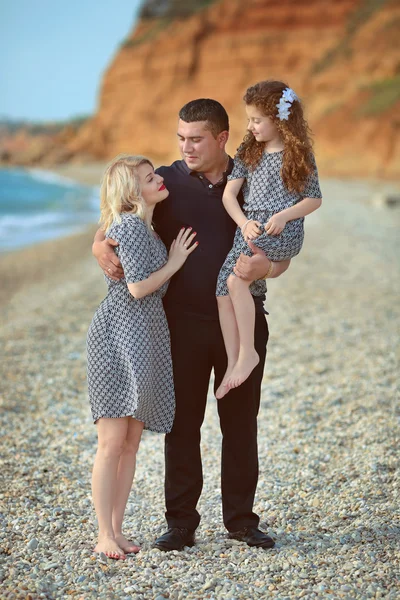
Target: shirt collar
(198,173)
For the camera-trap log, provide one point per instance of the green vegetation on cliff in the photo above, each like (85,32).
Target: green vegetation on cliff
(161,13)
(172,8)
(384,94)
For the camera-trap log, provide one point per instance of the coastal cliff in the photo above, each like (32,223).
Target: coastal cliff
(341,57)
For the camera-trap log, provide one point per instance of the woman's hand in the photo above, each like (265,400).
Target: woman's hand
(276,224)
(181,247)
(251,230)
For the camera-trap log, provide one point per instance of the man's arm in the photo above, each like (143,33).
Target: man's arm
(102,250)
(257,266)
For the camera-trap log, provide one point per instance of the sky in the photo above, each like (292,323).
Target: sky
(53,54)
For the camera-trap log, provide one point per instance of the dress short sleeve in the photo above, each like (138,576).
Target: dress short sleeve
(133,251)
(239,169)
(312,189)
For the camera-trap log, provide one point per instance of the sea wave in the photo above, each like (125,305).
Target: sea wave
(95,198)
(51,177)
(37,205)
(29,221)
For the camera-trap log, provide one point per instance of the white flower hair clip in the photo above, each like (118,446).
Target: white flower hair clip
(285,104)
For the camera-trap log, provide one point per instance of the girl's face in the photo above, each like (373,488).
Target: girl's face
(262,127)
(152,187)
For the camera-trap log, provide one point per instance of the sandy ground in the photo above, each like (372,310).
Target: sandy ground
(328,429)
(90,173)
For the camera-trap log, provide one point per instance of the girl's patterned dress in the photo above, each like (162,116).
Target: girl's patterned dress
(265,195)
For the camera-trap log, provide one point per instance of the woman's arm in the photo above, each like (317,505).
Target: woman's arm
(152,283)
(178,253)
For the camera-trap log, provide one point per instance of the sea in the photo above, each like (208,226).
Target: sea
(38,205)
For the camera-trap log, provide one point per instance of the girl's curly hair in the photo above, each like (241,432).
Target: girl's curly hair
(297,155)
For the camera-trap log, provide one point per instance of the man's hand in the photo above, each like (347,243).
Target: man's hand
(275,224)
(107,259)
(255,267)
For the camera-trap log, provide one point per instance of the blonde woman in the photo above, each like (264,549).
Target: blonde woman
(129,362)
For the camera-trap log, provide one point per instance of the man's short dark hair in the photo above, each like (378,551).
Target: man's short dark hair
(205,109)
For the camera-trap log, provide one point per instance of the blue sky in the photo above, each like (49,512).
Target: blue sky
(53,54)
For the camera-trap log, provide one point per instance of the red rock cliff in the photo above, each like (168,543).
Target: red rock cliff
(340,56)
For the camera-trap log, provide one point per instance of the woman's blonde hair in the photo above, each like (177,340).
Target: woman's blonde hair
(120,189)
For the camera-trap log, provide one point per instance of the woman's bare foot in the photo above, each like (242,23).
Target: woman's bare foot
(127,546)
(244,366)
(110,548)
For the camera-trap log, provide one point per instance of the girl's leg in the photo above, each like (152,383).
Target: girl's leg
(126,472)
(111,435)
(230,334)
(245,314)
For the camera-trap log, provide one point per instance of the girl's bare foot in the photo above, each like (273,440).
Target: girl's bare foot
(110,548)
(244,366)
(223,387)
(127,547)
(222,390)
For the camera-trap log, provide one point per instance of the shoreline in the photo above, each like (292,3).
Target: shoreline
(90,173)
(37,263)
(365,191)
(86,174)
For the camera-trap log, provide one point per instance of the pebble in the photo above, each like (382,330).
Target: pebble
(328,485)
(209,584)
(49,566)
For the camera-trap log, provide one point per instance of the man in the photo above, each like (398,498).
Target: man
(196,184)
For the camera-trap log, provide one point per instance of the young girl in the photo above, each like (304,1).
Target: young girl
(276,165)
(128,346)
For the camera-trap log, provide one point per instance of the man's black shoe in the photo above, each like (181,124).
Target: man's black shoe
(253,537)
(176,538)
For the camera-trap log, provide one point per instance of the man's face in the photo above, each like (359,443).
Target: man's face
(200,150)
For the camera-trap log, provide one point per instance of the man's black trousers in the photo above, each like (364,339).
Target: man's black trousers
(197,348)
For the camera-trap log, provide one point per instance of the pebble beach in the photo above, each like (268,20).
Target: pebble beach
(329,431)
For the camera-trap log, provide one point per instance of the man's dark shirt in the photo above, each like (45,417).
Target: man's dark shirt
(195,202)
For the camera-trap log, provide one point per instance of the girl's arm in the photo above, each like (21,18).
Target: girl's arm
(303,208)
(250,229)
(231,203)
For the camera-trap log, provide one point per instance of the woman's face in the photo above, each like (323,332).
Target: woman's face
(152,187)
(263,128)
